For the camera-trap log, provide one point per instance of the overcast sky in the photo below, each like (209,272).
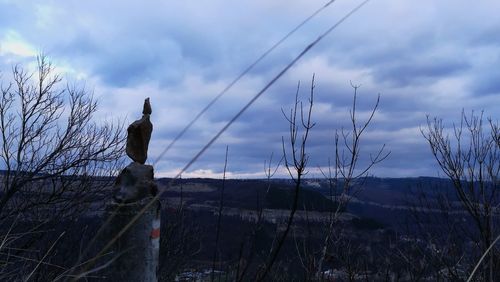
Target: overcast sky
(423,57)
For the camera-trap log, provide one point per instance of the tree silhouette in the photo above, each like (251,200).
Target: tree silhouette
(55,159)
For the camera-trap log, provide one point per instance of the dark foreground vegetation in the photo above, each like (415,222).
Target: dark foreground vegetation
(376,238)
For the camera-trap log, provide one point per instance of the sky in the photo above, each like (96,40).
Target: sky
(424,58)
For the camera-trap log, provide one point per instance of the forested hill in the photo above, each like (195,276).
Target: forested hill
(371,197)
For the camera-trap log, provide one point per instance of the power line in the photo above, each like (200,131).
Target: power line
(195,158)
(269,84)
(147,206)
(230,85)
(214,100)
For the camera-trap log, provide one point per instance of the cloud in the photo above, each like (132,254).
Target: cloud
(423,58)
(413,72)
(13,44)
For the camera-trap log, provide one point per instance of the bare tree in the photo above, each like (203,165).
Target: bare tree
(46,142)
(56,159)
(470,158)
(347,169)
(295,163)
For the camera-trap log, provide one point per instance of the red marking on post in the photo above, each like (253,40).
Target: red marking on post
(155,234)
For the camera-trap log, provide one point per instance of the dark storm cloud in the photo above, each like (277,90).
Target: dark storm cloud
(414,72)
(488,84)
(135,62)
(486,80)
(488,37)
